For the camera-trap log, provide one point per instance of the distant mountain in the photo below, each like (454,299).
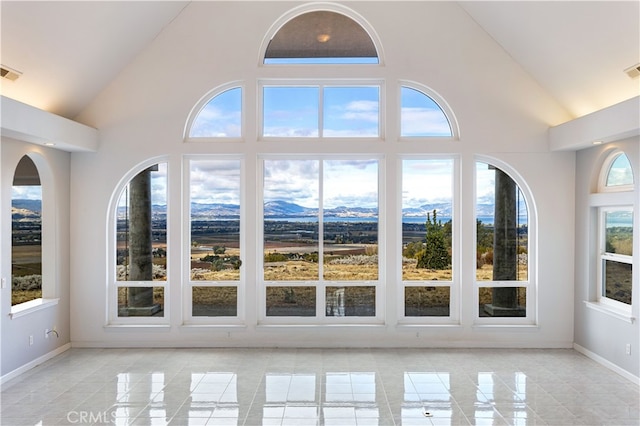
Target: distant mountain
(216,210)
(26,210)
(443,210)
(31,205)
(283,209)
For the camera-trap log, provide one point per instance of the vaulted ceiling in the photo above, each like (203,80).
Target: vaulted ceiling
(68,52)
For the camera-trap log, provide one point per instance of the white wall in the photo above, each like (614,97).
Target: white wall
(600,334)
(54,168)
(501,111)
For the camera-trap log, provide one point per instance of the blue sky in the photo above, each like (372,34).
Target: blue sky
(345,111)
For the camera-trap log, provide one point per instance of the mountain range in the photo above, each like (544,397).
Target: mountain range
(272,209)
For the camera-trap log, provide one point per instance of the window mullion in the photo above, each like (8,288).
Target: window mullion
(321,110)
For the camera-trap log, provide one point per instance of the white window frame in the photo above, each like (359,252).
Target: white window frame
(321,284)
(111,315)
(187,307)
(603,256)
(604,175)
(321,84)
(454,285)
(203,102)
(531,284)
(609,198)
(438,100)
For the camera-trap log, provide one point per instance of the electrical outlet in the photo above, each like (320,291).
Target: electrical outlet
(30,339)
(628,349)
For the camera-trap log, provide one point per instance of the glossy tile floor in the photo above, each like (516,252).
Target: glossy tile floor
(319,387)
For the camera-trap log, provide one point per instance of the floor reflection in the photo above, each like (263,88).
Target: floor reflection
(319,387)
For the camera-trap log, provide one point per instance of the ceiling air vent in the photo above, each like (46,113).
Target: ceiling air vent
(633,71)
(8,73)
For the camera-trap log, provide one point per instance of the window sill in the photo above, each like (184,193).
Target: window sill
(26,308)
(218,326)
(136,325)
(319,326)
(414,326)
(608,310)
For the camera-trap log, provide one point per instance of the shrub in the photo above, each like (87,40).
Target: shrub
(26,282)
(435,254)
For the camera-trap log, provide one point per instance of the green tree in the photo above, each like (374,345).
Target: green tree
(435,254)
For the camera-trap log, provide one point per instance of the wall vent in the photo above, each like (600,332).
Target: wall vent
(633,71)
(8,73)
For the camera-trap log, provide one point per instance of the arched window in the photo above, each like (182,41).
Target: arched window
(26,233)
(616,173)
(218,116)
(504,236)
(139,275)
(321,37)
(615,211)
(422,116)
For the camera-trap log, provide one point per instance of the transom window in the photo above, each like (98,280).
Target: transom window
(327,110)
(421,116)
(220,117)
(321,37)
(616,174)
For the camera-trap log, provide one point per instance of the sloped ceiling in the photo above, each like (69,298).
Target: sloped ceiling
(68,52)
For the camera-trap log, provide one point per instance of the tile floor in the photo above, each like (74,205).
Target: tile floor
(319,387)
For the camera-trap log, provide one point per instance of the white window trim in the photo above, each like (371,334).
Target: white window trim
(204,101)
(610,198)
(442,104)
(614,307)
(320,319)
(187,293)
(604,175)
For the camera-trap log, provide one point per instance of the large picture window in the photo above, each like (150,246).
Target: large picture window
(214,249)
(427,236)
(320,237)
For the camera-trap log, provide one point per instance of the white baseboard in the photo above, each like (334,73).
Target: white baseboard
(28,366)
(606,363)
